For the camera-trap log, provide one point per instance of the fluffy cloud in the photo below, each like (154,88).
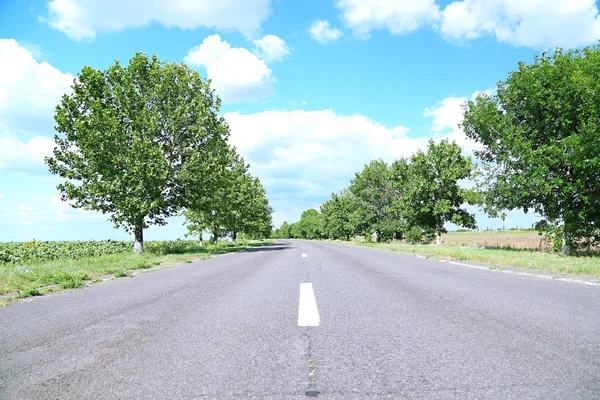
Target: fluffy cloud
(534,23)
(17,155)
(271,48)
(236,73)
(304,156)
(43,210)
(29,90)
(322,32)
(83,19)
(397,16)
(446,117)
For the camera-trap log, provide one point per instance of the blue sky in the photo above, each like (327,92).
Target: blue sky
(312,90)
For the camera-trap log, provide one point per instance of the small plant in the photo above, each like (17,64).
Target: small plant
(71,282)
(121,274)
(29,292)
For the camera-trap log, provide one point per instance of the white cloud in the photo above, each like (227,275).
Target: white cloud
(84,19)
(534,23)
(304,156)
(236,73)
(447,115)
(29,91)
(397,16)
(17,155)
(271,48)
(322,32)
(43,209)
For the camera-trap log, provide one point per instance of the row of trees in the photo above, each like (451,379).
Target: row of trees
(540,138)
(409,199)
(145,142)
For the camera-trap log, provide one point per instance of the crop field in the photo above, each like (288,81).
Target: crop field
(35,251)
(512,239)
(27,267)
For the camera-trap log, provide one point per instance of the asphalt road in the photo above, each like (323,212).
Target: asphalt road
(390,326)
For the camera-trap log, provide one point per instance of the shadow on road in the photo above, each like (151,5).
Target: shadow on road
(269,247)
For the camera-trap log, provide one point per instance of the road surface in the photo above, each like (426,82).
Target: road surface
(373,325)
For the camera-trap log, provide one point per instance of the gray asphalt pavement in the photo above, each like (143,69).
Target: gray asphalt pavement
(391,326)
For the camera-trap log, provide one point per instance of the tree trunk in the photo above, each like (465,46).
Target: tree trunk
(234,237)
(138,241)
(215,235)
(566,248)
(200,240)
(438,237)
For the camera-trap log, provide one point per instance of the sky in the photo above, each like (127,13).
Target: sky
(312,90)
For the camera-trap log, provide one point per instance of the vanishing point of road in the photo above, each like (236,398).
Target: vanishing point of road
(304,319)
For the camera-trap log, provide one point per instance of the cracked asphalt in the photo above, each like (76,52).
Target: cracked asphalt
(391,326)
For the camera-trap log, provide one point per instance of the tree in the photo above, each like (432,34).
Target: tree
(375,193)
(310,225)
(433,195)
(237,204)
(342,216)
(134,140)
(541,143)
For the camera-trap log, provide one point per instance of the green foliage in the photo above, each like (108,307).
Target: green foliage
(35,251)
(375,192)
(135,140)
(433,195)
(409,199)
(541,143)
(237,204)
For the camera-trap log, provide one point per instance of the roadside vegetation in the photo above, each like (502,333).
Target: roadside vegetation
(40,271)
(539,151)
(499,251)
(145,142)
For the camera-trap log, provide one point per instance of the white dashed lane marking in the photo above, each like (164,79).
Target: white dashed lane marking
(308,314)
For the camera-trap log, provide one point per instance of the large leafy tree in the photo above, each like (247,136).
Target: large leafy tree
(134,139)
(433,196)
(540,133)
(375,193)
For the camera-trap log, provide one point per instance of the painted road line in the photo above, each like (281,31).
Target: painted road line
(308,314)
(303,255)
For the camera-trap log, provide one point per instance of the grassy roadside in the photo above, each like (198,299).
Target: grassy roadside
(28,279)
(520,258)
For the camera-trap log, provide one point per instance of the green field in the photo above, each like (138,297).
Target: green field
(511,248)
(26,268)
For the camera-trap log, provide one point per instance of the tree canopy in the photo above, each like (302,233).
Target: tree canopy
(139,142)
(540,133)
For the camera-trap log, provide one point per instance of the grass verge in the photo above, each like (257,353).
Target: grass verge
(37,278)
(520,258)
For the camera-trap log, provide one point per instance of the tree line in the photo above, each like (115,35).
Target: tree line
(145,142)
(540,139)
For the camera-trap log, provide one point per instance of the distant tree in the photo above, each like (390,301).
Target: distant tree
(133,140)
(540,133)
(237,204)
(374,191)
(310,224)
(342,216)
(284,231)
(433,195)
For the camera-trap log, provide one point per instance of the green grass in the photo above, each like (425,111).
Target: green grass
(26,279)
(522,258)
